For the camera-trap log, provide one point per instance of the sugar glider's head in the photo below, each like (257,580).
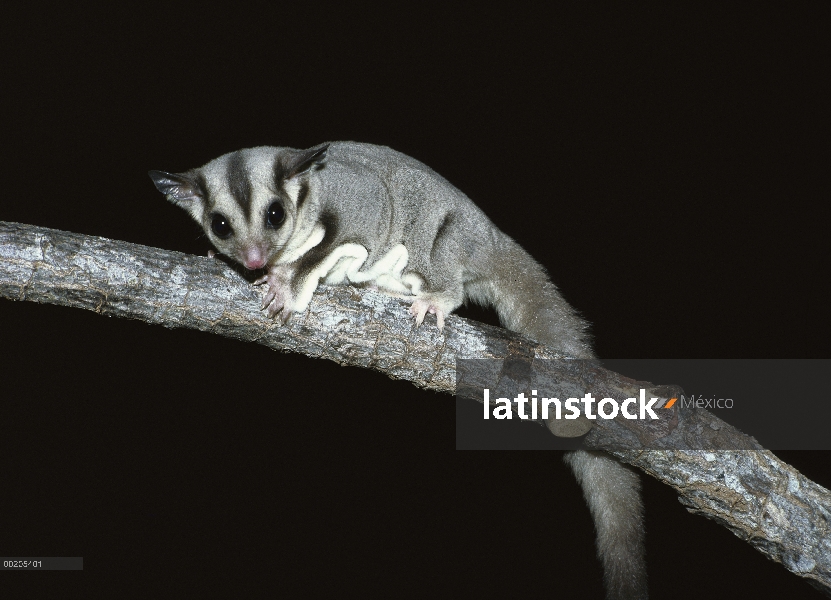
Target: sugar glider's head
(248,202)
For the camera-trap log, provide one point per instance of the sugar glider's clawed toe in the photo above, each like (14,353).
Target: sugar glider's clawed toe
(440,305)
(278,299)
(421,307)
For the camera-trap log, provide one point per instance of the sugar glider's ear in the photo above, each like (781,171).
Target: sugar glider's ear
(182,190)
(306,160)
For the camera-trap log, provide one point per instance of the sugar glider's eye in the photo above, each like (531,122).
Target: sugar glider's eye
(220,226)
(275,215)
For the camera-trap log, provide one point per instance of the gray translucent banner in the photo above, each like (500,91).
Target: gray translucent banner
(782,403)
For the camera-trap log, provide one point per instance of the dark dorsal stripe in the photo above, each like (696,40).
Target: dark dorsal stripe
(279,171)
(239,183)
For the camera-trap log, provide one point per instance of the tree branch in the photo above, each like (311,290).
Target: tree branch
(743,486)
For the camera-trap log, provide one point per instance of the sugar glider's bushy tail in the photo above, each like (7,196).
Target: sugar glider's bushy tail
(529,303)
(612,491)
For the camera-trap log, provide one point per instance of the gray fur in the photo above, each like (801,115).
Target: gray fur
(368,215)
(612,491)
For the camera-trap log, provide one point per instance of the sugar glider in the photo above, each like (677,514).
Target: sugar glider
(353,213)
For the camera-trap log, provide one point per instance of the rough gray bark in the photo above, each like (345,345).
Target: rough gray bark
(741,486)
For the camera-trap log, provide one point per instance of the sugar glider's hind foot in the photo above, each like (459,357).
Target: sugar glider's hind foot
(278,300)
(440,305)
(421,307)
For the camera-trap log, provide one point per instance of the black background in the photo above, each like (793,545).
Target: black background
(669,168)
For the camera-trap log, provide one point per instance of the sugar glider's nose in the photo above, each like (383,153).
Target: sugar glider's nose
(253,257)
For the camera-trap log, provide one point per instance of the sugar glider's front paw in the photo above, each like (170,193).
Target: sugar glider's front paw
(278,299)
